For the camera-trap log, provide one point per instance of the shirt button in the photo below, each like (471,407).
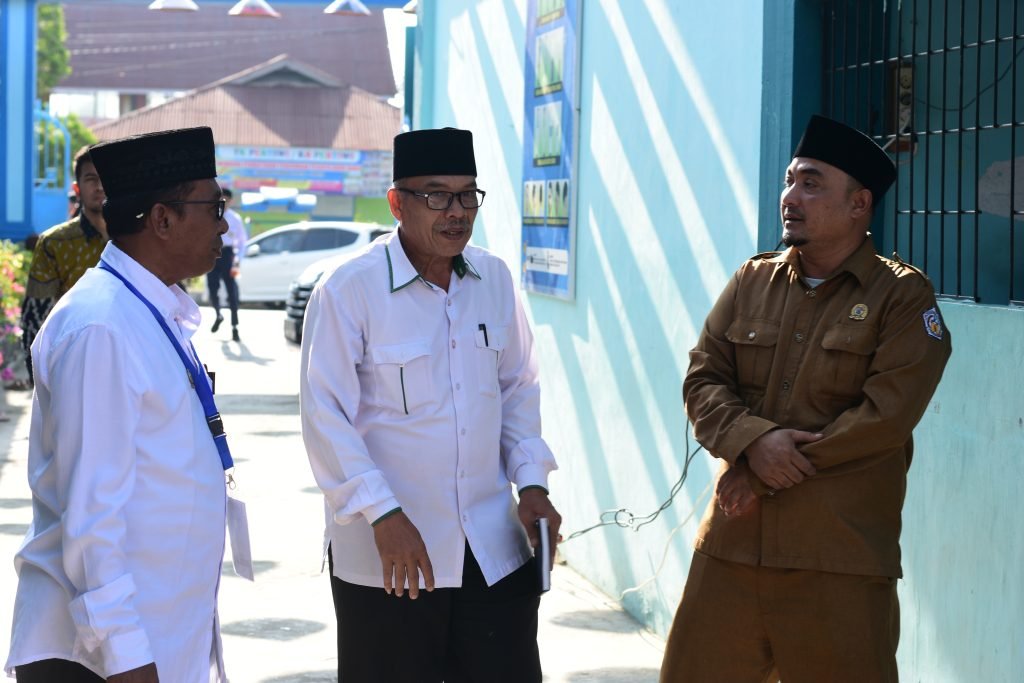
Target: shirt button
(465,518)
(453,343)
(751,334)
(463,432)
(799,338)
(462,474)
(457,386)
(449,302)
(812,293)
(785,385)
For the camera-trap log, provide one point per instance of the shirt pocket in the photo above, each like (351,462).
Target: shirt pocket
(489,345)
(403,375)
(754,343)
(847,351)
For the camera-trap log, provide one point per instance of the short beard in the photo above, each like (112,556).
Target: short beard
(791,241)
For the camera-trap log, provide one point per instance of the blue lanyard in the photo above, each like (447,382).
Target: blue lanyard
(196,376)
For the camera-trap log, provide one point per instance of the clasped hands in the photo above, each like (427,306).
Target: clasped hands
(774,458)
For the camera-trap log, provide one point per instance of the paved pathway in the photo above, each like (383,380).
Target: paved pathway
(281,628)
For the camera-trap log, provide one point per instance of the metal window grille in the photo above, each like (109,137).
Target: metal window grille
(940,84)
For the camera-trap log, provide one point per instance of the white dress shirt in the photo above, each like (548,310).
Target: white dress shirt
(424,399)
(122,562)
(236,236)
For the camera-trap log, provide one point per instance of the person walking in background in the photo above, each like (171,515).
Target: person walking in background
(64,252)
(119,572)
(227,266)
(812,370)
(420,410)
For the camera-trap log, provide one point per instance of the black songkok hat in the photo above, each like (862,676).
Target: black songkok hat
(441,151)
(155,161)
(849,150)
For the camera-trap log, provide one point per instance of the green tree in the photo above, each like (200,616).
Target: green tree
(80,134)
(52,58)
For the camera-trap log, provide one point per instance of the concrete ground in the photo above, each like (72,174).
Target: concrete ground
(281,629)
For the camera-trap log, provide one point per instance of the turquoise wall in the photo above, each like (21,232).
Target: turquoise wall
(684,132)
(962,597)
(668,184)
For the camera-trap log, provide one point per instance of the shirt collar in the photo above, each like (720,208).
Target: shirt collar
(172,302)
(401,272)
(859,263)
(87,227)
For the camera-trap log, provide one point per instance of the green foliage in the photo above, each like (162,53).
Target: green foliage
(53,62)
(81,136)
(14,264)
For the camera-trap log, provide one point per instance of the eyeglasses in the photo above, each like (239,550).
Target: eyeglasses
(221,204)
(439,201)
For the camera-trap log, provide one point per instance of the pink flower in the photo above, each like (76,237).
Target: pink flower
(7,374)
(18,287)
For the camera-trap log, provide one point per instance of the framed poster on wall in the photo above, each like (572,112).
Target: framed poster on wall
(549,147)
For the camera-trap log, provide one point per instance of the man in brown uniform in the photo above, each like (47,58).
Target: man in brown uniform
(809,376)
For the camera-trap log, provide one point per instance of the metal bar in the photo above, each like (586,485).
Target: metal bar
(936,51)
(977,153)
(856,72)
(913,145)
(942,188)
(896,190)
(928,136)
(1013,153)
(871,31)
(830,16)
(960,148)
(846,16)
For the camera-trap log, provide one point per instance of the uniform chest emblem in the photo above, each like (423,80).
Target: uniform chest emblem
(859,312)
(933,323)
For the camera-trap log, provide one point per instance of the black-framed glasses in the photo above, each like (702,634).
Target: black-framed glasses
(439,201)
(222,204)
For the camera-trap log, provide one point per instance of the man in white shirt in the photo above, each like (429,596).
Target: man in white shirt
(226,268)
(420,410)
(118,574)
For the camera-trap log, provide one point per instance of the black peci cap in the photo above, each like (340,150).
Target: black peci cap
(144,163)
(439,151)
(849,150)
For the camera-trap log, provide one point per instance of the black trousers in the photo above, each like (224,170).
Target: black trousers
(55,671)
(222,271)
(472,634)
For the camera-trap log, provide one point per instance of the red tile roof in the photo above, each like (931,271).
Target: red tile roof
(244,110)
(130,48)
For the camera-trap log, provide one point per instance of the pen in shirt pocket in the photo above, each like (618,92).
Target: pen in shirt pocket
(483,328)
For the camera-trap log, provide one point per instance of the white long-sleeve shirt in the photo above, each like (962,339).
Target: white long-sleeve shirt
(236,236)
(407,401)
(122,562)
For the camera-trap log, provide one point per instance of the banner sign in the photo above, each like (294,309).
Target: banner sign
(350,173)
(549,147)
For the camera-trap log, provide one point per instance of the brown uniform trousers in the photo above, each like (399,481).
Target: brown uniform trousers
(857,359)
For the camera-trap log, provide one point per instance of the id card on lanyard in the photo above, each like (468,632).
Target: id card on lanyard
(238,527)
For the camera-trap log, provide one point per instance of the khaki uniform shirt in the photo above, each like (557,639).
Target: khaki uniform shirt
(857,359)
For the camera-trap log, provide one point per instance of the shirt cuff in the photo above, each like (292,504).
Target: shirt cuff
(741,434)
(373,513)
(529,463)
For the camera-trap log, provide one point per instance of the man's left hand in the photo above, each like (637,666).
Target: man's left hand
(735,497)
(534,504)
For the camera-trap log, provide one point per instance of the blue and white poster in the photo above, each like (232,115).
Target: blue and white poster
(549,147)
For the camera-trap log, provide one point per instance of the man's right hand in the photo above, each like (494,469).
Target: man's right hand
(775,459)
(402,555)
(144,674)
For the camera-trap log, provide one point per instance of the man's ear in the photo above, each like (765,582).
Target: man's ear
(78,191)
(861,202)
(395,203)
(161,219)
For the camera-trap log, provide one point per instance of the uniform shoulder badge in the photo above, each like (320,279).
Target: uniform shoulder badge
(859,312)
(933,323)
